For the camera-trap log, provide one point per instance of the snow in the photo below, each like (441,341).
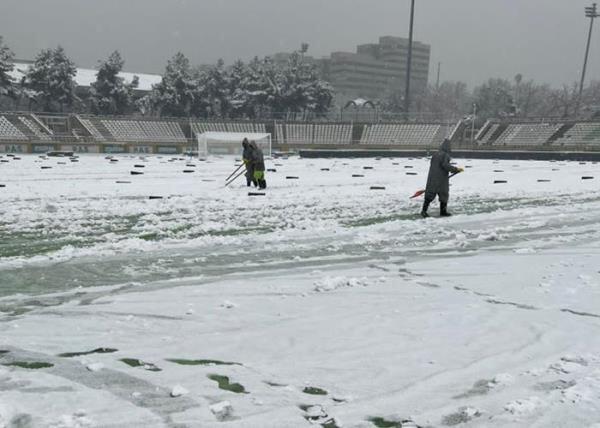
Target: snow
(94,367)
(322,299)
(86,76)
(222,410)
(178,391)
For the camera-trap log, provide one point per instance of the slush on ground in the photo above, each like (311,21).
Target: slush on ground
(165,299)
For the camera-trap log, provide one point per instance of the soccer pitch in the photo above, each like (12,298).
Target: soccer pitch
(164,298)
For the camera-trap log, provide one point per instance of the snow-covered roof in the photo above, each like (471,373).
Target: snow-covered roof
(86,76)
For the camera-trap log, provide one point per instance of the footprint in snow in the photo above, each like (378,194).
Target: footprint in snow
(463,415)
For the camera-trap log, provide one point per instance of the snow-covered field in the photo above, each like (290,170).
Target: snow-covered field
(323,302)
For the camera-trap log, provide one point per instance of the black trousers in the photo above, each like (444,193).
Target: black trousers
(442,196)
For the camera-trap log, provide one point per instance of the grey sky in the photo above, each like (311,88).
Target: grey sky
(474,39)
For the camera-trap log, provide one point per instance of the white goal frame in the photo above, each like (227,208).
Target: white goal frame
(230,143)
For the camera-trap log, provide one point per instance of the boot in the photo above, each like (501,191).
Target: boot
(425,208)
(444,210)
(262,184)
(248,183)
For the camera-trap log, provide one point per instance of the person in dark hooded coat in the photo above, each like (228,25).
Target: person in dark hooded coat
(438,183)
(258,165)
(247,159)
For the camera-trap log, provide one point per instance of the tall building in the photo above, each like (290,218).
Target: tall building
(376,69)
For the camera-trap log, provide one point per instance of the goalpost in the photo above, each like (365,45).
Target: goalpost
(230,143)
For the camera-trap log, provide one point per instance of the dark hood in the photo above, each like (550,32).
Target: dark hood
(445,147)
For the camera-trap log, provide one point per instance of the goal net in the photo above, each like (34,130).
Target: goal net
(230,143)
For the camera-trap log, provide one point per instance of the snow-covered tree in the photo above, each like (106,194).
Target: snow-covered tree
(300,89)
(494,98)
(215,89)
(256,87)
(174,95)
(7,84)
(110,94)
(238,90)
(51,79)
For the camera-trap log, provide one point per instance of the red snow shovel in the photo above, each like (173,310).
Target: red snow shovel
(420,192)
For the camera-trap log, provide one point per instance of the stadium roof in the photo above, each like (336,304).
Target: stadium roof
(86,76)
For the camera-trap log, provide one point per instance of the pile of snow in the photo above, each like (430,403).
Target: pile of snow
(178,391)
(222,410)
(333,283)
(525,406)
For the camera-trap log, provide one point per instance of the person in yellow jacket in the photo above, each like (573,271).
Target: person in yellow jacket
(247,159)
(258,165)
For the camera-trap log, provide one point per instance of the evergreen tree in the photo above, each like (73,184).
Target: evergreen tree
(7,84)
(175,94)
(50,79)
(259,86)
(109,94)
(301,90)
(239,97)
(216,90)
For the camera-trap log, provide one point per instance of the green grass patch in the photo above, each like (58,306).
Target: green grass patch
(384,423)
(30,365)
(225,385)
(312,390)
(93,351)
(185,362)
(149,236)
(133,362)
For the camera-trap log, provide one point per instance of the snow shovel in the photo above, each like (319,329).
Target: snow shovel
(235,178)
(420,192)
(236,170)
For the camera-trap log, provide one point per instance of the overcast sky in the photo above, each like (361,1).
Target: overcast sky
(473,39)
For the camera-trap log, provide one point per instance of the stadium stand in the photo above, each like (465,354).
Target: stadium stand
(296,133)
(401,134)
(527,134)
(95,129)
(260,128)
(35,129)
(497,134)
(124,130)
(163,131)
(10,132)
(144,131)
(581,134)
(487,136)
(90,128)
(279,135)
(240,127)
(333,134)
(202,127)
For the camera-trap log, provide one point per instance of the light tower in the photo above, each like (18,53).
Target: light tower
(592,13)
(409,60)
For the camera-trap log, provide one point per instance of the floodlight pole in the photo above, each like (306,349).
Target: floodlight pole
(409,60)
(592,13)
(473,124)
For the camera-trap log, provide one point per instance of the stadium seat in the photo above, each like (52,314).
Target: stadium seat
(35,129)
(10,132)
(582,134)
(527,134)
(422,135)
